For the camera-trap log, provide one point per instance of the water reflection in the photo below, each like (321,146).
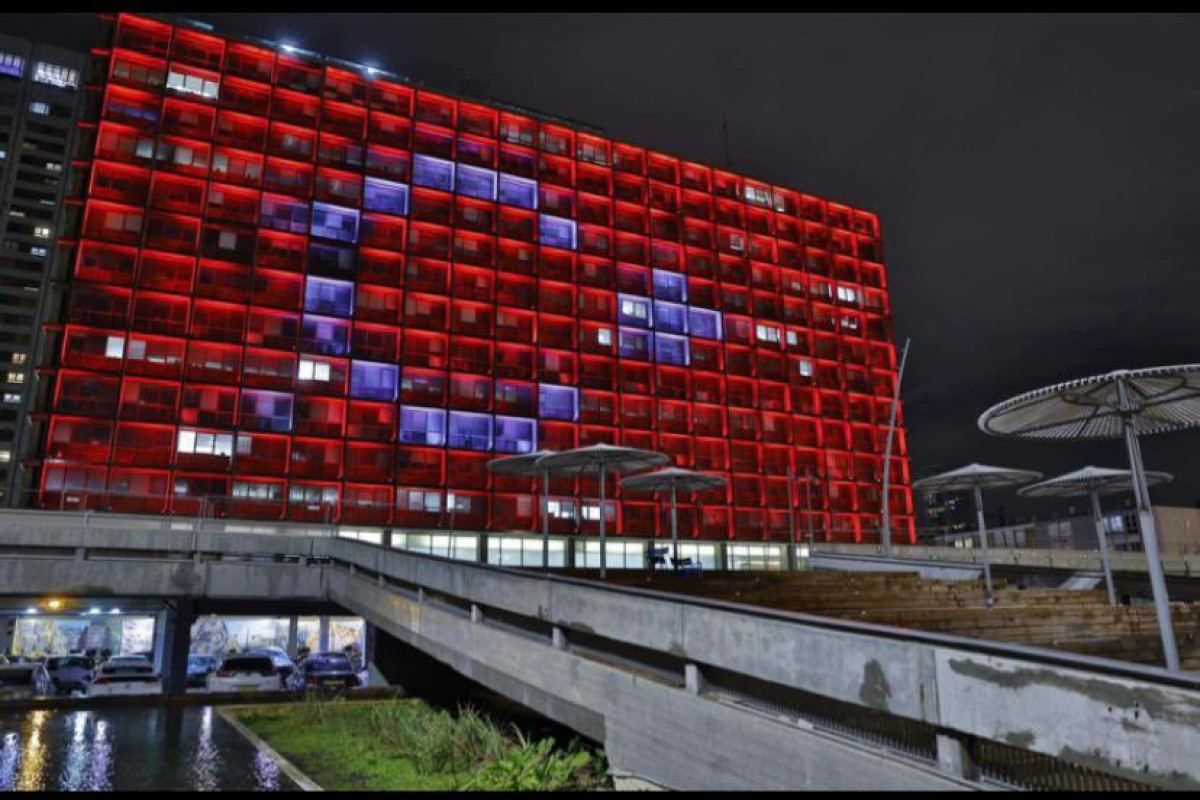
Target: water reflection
(130,748)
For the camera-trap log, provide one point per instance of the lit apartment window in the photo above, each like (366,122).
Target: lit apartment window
(19,358)
(41,232)
(192,84)
(11,64)
(54,166)
(114,347)
(757,195)
(313,370)
(847,295)
(12,398)
(5,456)
(207,444)
(37,251)
(767,333)
(55,75)
(39,108)
(16,377)
(805,368)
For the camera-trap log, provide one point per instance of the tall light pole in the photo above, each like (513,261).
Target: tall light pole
(885,532)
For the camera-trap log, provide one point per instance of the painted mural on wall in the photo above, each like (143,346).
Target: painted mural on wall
(216,636)
(51,636)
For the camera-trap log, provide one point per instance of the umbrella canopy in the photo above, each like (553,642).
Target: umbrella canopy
(524,465)
(1091,479)
(597,457)
(984,476)
(1159,399)
(664,480)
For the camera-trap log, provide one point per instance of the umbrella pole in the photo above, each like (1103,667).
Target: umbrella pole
(1098,518)
(545,519)
(603,560)
(1158,583)
(983,546)
(791,560)
(674,530)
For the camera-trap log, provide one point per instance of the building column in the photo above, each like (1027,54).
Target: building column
(323,634)
(954,756)
(177,638)
(293,635)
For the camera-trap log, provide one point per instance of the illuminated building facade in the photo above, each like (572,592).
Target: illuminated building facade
(304,289)
(39,106)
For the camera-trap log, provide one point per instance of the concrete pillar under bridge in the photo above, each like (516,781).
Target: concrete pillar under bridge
(176,639)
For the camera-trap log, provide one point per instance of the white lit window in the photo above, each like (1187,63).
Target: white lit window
(114,347)
(19,358)
(41,232)
(3,153)
(5,456)
(37,251)
(54,166)
(757,195)
(737,242)
(39,108)
(604,336)
(191,84)
(313,370)
(16,377)
(766,333)
(632,308)
(12,398)
(55,75)
(805,368)
(792,339)
(208,444)
(847,295)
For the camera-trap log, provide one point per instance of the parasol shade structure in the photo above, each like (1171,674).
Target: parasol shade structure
(1160,399)
(673,480)
(600,459)
(1120,404)
(975,478)
(527,465)
(1094,481)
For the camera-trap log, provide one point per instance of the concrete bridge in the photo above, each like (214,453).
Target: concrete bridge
(684,693)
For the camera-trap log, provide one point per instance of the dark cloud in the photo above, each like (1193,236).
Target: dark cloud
(1035,174)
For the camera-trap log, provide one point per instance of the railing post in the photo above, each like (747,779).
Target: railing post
(693,678)
(558,638)
(954,756)
(476,613)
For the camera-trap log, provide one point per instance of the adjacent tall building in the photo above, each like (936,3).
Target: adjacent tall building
(40,102)
(306,289)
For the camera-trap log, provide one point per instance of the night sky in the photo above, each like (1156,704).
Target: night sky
(1035,175)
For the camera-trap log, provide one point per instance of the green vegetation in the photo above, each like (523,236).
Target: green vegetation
(406,744)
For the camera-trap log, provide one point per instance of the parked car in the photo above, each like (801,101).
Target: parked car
(199,667)
(24,681)
(69,673)
(247,672)
(125,675)
(282,660)
(328,671)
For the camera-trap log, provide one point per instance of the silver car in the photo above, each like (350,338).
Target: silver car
(70,673)
(23,681)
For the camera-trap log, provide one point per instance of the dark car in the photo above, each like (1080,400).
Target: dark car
(330,671)
(198,668)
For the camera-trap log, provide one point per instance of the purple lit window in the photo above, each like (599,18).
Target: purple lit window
(470,431)
(327,296)
(670,349)
(632,343)
(515,435)
(422,425)
(386,196)
(514,397)
(266,411)
(283,214)
(670,286)
(516,191)
(704,323)
(558,402)
(325,335)
(670,317)
(557,232)
(335,222)
(476,182)
(373,381)
(436,173)
(11,64)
